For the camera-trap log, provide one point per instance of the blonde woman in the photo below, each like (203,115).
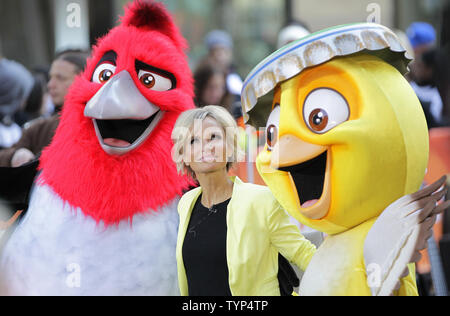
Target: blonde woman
(230,232)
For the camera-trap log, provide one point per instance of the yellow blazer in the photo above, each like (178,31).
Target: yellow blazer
(258,228)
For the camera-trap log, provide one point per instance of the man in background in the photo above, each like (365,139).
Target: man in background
(422,37)
(38,135)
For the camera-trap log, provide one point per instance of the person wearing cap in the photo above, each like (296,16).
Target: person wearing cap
(66,66)
(293,31)
(422,37)
(16,84)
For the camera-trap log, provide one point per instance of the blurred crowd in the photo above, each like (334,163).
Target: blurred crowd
(30,100)
(429,73)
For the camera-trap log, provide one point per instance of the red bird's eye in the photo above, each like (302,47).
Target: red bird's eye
(148,80)
(103,73)
(154,81)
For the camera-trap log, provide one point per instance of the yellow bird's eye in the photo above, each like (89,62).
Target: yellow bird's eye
(318,120)
(325,109)
(272,127)
(272,135)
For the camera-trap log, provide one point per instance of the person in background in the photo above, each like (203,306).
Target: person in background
(48,108)
(38,135)
(292,32)
(33,107)
(66,66)
(16,84)
(230,233)
(210,87)
(220,55)
(422,37)
(443,64)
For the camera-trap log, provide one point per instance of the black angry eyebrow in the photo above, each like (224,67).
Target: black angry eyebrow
(143,66)
(110,56)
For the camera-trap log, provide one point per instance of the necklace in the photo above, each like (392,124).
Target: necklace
(212,210)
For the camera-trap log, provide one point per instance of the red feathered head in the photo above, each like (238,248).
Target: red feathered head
(111,154)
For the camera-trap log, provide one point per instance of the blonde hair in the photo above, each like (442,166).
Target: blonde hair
(182,132)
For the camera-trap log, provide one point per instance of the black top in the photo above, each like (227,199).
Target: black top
(204,251)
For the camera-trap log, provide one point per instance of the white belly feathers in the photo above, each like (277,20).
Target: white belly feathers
(57,250)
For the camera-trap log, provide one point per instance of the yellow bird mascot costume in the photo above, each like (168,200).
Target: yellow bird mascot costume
(345,139)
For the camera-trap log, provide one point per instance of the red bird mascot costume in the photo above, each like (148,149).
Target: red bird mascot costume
(102,218)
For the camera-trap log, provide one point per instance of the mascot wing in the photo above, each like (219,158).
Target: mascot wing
(398,235)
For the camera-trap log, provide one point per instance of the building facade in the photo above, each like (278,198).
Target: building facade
(32,31)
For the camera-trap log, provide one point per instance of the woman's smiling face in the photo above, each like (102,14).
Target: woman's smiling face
(206,151)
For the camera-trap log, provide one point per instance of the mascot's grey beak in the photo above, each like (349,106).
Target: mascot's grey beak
(119,99)
(123,118)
